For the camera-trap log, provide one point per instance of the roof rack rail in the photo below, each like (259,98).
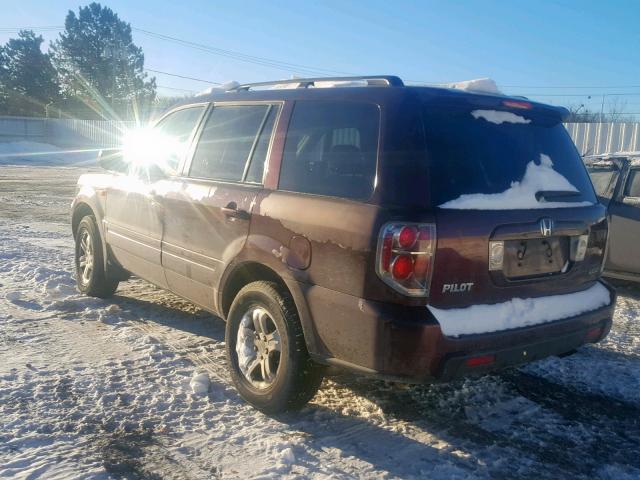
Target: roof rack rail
(373,80)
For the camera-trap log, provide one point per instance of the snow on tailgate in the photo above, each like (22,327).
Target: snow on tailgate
(519,312)
(522,194)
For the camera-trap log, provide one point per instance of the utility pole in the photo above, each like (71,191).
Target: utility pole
(602,109)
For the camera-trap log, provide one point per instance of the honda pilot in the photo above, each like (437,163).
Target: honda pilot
(417,234)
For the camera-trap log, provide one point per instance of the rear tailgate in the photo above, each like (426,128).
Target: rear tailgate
(506,177)
(462,275)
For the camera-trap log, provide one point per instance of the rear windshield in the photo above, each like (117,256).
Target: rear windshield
(483,152)
(601,179)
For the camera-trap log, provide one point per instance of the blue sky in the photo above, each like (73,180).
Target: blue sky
(524,46)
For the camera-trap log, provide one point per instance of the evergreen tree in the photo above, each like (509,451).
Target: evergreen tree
(98,63)
(28,81)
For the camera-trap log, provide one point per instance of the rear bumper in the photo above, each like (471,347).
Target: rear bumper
(407,343)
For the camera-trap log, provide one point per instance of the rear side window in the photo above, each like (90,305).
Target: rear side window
(632,189)
(331,149)
(256,167)
(227,140)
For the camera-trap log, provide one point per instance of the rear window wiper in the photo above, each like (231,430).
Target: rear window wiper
(551,194)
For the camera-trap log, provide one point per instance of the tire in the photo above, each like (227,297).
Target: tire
(297,377)
(91,279)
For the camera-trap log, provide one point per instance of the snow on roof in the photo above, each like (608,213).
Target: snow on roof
(519,312)
(522,194)
(225,87)
(498,117)
(478,85)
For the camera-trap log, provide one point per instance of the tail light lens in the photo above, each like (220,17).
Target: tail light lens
(405,257)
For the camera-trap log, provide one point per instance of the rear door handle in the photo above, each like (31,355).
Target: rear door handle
(232,211)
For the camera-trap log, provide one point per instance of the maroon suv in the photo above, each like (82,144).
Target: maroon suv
(411,233)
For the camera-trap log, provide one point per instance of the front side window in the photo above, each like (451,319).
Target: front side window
(632,188)
(331,149)
(227,141)
(175,130)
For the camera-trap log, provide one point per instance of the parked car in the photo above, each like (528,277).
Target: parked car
(410,233)
(616,178)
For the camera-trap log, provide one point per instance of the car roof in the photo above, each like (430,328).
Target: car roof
(381,88)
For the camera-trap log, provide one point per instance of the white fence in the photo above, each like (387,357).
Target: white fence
(64,132)
(596,138)
(590,138)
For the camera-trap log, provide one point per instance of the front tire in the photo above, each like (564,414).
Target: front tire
(89,260)
(266,351)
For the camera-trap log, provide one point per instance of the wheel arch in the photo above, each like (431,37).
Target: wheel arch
(81,210)
(239,275)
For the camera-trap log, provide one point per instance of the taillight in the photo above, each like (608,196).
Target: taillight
(405,257)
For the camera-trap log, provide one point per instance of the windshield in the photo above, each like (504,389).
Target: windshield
(476,155)
(601,179)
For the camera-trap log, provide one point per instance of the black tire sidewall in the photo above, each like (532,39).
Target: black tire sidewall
(97,285)
(277,396)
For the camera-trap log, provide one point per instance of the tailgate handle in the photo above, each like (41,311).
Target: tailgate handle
(232,211)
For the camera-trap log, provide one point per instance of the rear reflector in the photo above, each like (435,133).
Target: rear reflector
(479,361)
(594,334)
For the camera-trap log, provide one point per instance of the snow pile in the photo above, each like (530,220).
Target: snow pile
(522,194)
(498,117)
(478,85)
(519,312)
(200,383)
(36,153)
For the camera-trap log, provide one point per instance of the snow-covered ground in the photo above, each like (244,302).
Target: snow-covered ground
(118,388)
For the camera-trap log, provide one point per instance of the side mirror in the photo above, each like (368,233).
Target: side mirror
(111,159)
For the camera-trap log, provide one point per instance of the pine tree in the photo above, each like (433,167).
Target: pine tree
(28,81)
(98,63)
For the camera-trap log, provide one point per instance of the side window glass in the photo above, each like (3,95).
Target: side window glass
(256,167)
(226,142)
(632,188)
(331,149)
(172,136)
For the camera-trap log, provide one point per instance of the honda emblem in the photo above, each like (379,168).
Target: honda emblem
(546,227)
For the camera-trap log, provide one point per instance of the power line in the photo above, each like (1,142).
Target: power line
(182,76)
(299,68)
(177,89)
(570,87)
(598,95)
(277,64)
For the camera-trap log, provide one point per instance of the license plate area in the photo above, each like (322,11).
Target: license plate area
(535,257)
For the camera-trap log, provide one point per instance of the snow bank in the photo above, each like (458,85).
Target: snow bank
(498,117)
(521,195)
(519,312)
(478,85)
(42,154)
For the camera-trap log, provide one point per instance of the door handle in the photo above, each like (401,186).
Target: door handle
(232,211)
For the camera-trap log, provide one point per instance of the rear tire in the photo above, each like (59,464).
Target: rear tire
(89,260)
(266,351)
